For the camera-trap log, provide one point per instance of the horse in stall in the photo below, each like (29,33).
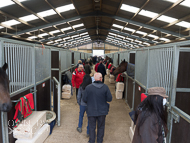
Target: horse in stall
(121,68)
(125,66)
(5,101)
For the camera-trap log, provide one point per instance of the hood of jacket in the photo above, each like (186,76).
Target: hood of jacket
(98,84)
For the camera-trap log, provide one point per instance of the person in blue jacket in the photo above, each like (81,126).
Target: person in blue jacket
(96,95)
(86,81)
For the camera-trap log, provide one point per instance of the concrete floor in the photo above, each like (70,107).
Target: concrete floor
(117,122)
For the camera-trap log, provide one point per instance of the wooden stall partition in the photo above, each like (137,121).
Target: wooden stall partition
(138,92)
(130,92)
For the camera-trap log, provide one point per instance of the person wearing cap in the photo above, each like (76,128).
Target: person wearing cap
(150,119)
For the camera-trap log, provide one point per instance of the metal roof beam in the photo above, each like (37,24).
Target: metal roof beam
(9,27)
(131,36)
(113,44)
(13,17)
(113,31)
(100,49)
(140,8)
(141,24)
(81,45)
(106,15)
(65,35)
(74,40)
(173,5)
(56,23)
(30,11)
(179,20)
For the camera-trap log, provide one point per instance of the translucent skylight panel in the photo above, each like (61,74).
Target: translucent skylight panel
(166,19)
(129,8)
(120,36)
(114,30)
(50,42)
(118,26)
(148,13)
(11,22)
(70,40)
(138,41)
(85,36)
(129,29)
(47,13)
(78,25)
(171,0)
(66,38)
(44,34)
(32,37)
(55,31)
(183,24)
(74,20)
(65,29)
(70,32)
(29,17)
(140,32)
(153,36)
(75,36)
(184,3)
(112,34)
(58,40)
(5,3)
(65,8)
(78,38)
(146,43)
(129,39)
(164,39)
(84,33)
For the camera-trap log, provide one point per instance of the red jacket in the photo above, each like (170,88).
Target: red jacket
(77,78)
(96,67)
(119,78)
(109,66)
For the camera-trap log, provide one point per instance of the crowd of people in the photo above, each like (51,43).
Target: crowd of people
(93,97)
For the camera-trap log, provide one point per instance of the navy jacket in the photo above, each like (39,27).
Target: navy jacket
(102,69)
(96,95)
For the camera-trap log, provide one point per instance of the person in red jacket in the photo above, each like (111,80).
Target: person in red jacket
(77,77)
(96,67)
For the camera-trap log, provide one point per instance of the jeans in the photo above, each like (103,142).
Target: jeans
(76,92)
(92,128)
(81,115)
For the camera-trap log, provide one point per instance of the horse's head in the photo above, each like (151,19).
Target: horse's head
(121,68)
(5,101)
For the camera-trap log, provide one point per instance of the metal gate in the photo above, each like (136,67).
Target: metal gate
(166,66)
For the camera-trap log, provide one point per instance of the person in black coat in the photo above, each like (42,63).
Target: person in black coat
(102,70)
(96,96)
(87,68)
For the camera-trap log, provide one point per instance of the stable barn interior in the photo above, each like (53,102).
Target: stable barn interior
(42,40)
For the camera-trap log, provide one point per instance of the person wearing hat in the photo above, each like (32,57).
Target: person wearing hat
(150,119)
